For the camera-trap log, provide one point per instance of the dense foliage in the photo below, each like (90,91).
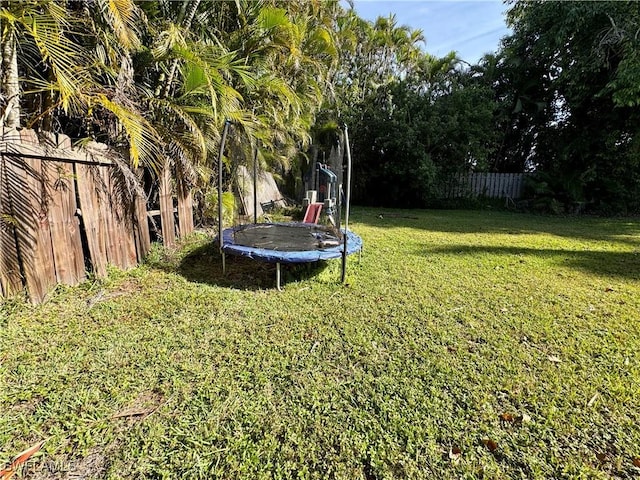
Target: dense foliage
(157,80)
(560,99)
(416,118)
(408,143)
(570,76)
(161,78)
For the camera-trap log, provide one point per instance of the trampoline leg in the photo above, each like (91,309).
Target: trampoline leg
(343,274)
(224,264)
(278,277)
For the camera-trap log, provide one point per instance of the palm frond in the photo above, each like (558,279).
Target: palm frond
(322,42)
(194,79)
(167,40)
(178,114)
(49,33)
(124,18)
(144,142)
(270,18)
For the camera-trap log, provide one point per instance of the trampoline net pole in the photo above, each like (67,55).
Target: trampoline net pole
(339,208)
(278,276)
(347,201)
(343,275)
(348,197)
(220,163)
(255,185)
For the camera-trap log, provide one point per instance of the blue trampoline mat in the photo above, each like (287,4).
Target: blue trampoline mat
(287,242)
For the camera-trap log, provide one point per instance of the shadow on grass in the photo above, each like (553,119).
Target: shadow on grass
(624,265)
(204,265)
(617,230)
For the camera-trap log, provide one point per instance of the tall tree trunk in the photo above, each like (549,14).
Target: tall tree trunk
(9,83)
(193,7)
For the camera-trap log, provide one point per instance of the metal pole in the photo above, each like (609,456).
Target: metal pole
(255,185)
(343,274)
(339,208)
(278,276)
(220,163)
(339,199)
(347,201)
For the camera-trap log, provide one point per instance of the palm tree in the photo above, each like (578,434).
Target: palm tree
(42,33)
(291,52)
(85,69)
(162,78)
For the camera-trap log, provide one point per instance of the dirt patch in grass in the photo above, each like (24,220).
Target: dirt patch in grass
(90,467)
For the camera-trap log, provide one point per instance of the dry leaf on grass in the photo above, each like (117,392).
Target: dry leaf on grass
(135,412)
(554,359)
(506,417)
(524,418)
(19,459)
(490,444)
(455,453)
(636,462)
(144,405)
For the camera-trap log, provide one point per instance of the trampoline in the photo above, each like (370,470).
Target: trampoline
(289,243)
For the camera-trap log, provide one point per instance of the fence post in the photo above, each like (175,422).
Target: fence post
(166,208)
(185,212)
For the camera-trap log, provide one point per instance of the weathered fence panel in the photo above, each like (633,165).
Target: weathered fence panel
(10,276)
(63,222)
(166,209)
(89,187)
(185,213)
(32,225)
(491,185)
(141,235)
(62,211)
(121,250)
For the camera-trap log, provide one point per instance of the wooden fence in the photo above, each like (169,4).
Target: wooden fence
(491,185)
(63,213)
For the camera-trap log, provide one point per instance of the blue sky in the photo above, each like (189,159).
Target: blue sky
(472,28)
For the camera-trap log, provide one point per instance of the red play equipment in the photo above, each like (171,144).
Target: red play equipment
(312,215)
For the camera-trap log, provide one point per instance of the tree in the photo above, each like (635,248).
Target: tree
(50,59)
(159,79)
(415,118)
(372,55)
(569,67)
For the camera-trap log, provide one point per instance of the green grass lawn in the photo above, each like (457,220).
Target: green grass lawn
(464,345)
